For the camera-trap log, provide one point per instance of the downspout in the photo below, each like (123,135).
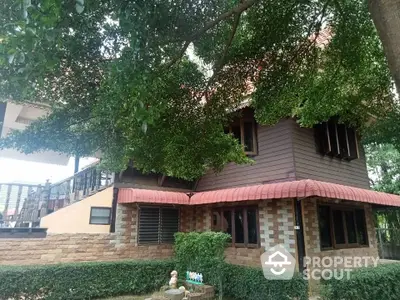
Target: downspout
(301,251)
(114,209)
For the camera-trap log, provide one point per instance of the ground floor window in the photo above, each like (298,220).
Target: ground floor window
(157,225)
(240,222)
(341,227)
(100,215)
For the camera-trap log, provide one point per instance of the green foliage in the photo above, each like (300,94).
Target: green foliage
(370,283)
(246,283)
(383,161)
(117,77)
(201,252)
(83,280)
(204,252)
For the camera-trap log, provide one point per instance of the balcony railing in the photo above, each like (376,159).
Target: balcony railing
(81,185)
(26,205)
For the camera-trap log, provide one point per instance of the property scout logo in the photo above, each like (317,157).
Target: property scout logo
(278,264)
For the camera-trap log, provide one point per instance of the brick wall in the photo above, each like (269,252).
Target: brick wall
(311,232)
(244,256)
(277,224)
(276,221)
(62,248)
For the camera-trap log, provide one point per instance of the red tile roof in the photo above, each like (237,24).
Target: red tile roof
(295,189)
(281,190)
(130,195)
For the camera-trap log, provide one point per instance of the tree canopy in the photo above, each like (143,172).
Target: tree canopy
(156,81)
(384,167)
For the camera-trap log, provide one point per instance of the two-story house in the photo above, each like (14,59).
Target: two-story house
(307,189)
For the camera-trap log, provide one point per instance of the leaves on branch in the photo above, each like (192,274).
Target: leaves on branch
(119,78)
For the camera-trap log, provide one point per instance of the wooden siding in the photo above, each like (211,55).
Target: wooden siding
(273,163)
(309,164)
(134,179)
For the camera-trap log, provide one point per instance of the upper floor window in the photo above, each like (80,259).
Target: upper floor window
(336,140)
(341,227)
(244,130)
(239,222)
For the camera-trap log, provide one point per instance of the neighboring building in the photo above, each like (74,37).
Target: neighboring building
(308,190)
(15,116)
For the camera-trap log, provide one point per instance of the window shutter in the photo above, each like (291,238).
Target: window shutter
(333,138)
(157,224)
(149,221)
(353,146)
(343,141)
(169,224)
(322,138)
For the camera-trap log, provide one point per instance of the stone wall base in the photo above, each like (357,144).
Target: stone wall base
(63,248)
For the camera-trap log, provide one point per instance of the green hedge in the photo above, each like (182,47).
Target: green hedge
(204,253)
(381,282)
(246,283)
(83,280)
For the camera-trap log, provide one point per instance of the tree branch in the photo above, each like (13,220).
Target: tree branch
(220,62)
(179,56)
(237,10)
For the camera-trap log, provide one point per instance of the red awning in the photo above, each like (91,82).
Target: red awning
(295,189)
(130,195)
(282,190)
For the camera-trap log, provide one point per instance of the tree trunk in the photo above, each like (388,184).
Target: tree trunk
(386,16)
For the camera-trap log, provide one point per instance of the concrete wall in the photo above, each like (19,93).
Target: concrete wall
(75,217)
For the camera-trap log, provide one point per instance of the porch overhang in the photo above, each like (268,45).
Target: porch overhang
(282,190)
(295,189)
(131,195)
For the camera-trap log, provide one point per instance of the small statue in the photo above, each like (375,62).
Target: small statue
(174,279)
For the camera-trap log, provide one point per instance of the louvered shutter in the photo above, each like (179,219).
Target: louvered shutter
(157,224)
(149,225)
(169,224)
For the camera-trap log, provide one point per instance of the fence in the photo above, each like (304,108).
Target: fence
(389,243)
(24,205)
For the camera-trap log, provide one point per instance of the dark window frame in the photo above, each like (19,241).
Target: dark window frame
(100,207)
(337,140)
(160,240)
(343,209)
(244,209)
(240,123)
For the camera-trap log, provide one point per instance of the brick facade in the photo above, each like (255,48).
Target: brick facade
(311,231)
(62,248)
(276,226)
(312,238)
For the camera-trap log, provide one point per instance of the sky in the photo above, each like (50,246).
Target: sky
(19,171)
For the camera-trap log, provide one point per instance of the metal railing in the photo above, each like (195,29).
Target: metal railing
(81,185)
(25,204)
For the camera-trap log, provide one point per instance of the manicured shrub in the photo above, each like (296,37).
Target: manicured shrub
(381,282)
(204,253)
(201,252)
(83,280)
(246,283)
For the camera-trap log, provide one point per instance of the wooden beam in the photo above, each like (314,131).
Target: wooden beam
(161,180)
